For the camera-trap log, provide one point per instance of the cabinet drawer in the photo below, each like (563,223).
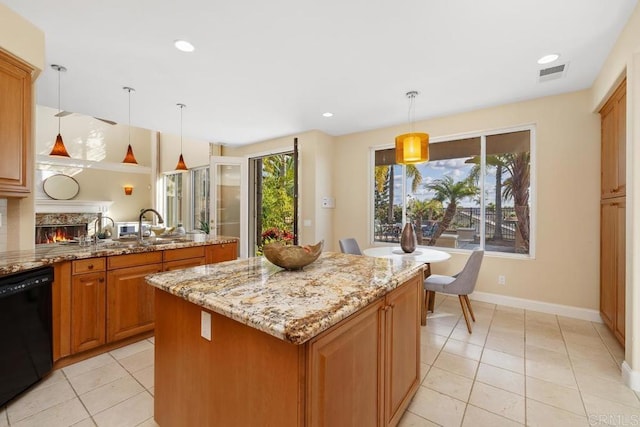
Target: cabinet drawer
(222,252)
(131,260)
(184,253)
(88,265)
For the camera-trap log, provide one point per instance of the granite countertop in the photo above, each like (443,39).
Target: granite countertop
(294,306)
(41,255)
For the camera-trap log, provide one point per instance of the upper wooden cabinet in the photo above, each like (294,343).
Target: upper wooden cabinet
(613,156)
(15,126)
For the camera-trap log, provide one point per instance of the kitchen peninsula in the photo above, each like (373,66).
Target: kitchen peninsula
(247,343)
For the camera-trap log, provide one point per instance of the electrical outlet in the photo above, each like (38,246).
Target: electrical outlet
(205,325)
(502,280)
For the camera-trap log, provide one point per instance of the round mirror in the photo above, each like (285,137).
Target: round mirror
(61,187)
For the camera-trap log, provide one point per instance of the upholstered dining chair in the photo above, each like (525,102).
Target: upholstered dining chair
(350,246)
(462,284)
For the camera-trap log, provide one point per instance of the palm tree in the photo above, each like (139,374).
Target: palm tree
(417,210)
(448,190)
(516,187)
(385,172)
(498,162)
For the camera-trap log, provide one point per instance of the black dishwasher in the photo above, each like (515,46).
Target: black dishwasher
(25,330)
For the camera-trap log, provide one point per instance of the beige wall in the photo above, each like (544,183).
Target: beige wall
(315,180)
(566,196)
(195,152)
(21,38)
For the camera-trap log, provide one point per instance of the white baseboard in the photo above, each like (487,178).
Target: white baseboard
(544,307)
(630,377)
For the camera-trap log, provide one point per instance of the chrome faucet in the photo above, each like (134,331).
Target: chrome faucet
(142,212)
(97,225)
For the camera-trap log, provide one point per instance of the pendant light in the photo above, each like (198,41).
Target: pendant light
(181,166)
(129,158)
(412,147)
(58,148)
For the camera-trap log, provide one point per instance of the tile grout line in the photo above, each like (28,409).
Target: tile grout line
(475,376)
(573,371)
(66,378)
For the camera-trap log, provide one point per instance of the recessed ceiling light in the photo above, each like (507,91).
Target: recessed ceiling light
(548,58)
(327,114)
(183,45)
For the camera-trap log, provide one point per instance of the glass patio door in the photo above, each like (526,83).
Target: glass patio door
(229,187)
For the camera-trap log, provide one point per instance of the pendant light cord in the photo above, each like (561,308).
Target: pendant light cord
(58,101)
(412,97)
(129,115)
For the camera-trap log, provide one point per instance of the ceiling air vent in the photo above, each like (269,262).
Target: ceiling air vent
(552,73)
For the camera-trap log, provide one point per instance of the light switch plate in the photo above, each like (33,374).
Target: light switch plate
(205,325)
(328,202)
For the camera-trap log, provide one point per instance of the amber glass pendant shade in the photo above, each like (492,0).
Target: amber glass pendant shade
(129,158)
(181,166)
(58,148)
(412,148)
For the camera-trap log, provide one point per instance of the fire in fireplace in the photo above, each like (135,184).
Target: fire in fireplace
(59,233)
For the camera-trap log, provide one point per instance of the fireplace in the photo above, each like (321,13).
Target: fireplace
(53,233)
(61,227)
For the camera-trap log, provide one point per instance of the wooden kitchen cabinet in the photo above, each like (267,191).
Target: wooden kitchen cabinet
(130,308)
(61,310)
(176,259)
(98,301)
(346,371)
(15,126)
(613,212)
(613,144)
(221,252)
(367,369)
(88,304)
(612,265)
(360,372)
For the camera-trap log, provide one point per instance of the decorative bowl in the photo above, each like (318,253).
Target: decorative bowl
(292,257)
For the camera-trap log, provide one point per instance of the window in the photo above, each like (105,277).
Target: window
(173,199)
(200,198)
(186,199)
(473,192)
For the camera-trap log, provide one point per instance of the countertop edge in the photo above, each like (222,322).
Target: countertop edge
(30,259)
(298,331)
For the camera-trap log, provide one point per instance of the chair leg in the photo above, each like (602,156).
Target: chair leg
(432,301)
(464,311)
(466,300)
(423,311)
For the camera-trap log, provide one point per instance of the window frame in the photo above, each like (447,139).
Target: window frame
(533,200)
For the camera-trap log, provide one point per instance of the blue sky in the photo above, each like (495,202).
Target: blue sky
(457,169)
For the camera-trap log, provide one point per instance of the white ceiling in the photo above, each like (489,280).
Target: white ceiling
(263,69)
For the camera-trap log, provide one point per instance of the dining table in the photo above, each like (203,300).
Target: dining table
(421,254)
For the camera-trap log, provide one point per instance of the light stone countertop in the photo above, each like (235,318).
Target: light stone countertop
(41,255)
(294,306)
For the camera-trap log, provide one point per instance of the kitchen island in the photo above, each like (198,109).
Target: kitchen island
(245,343)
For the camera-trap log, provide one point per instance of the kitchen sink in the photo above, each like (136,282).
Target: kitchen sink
(135,243)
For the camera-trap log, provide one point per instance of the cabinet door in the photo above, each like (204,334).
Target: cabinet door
(221,252)
(345,372)
(87,311)
(183,263)
(619,330)
(402,353)
(61,310)
(609,245)
(613,144)
(129,301)
(15,127)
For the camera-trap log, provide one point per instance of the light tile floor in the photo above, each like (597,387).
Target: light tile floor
(517,368)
